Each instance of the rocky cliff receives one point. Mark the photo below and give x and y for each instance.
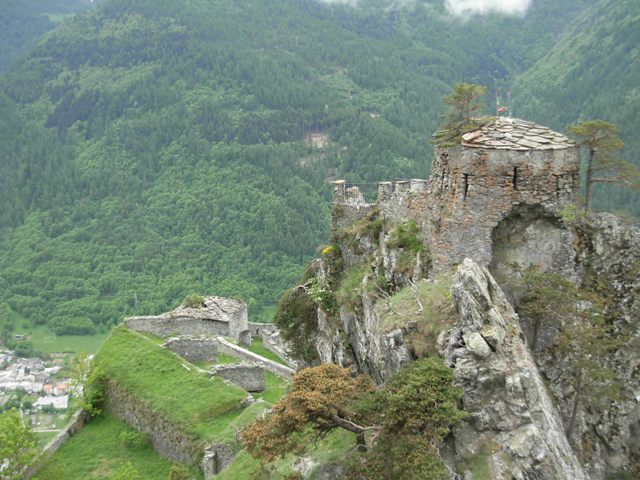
(534, 304)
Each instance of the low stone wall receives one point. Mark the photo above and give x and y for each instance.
(248, 376)
(179, 326)
(216, 457)
(77, 422)
(257, 329)
(243, 354)
(194, 349)
(166, 438)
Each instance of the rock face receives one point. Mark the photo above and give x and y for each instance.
(503, 198)
(608, 261)
(515, 431)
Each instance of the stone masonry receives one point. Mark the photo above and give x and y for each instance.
(217, 316)
(194, 349)
(246, 375)
(508, 169)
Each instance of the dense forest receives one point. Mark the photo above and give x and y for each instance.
(155, 148)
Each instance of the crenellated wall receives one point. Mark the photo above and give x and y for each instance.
(469, 193)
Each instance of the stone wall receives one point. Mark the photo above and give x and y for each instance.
(472, 190)
(194, 349)
(182, 326)
(166, 438)
(229, 348)
(258, 329)
(215, 316)
(246, 375)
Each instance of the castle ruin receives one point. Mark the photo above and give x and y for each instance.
(499, 194)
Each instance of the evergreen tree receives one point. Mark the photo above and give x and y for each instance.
(600, 139)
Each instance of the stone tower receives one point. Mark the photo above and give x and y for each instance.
(495, 197)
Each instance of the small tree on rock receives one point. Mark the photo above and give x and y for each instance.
(600, 139)
(462, 114)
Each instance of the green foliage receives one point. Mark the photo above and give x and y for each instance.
(462, 115)
(146, 156)
(588, 75)
(297, 319)
(126, 472)
(179, 472)
(353, 285)
(418, 406)
(425, 309)
(585, 340)
(193, 300)
(17, 446)
(600, 139)
(406, 236)
(133, 439)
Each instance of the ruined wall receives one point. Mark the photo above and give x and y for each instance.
(169, 327)
(77, 421)
(471, 190)
(193, 349)
(166, 438)
(248, 376)
(229, 348)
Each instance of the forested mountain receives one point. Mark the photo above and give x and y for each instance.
(153, 148)
(23, 22)
(593, 72)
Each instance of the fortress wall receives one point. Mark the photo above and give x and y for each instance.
(229, 348)
(194, 349)
(471, 190)
(248, 376)
(166, 438)
(77, 421)
(179, 326)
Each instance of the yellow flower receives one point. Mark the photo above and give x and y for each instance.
(327, 249)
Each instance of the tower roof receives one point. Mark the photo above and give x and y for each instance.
(515, 134)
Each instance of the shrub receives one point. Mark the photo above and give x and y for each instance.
(297, 319)
(193, 300)
(133, 439)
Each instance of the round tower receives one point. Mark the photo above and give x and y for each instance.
(486, 192)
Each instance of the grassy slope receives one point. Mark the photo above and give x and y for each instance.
(201, 406)
(96, 452)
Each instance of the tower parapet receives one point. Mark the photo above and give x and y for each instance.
(509, 167)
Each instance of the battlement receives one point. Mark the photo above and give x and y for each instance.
(351, 194)
(507, 168)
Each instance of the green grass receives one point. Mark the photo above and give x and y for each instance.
(42, 438)
(158, 377)
(95, 452)
(46, 341)
(274, 388)
(258, 347)
(331, 449)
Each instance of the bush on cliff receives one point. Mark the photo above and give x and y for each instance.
(400, 426)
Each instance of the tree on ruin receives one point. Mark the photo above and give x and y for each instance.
(464, 105)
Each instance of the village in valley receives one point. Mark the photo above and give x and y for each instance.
(39, 389)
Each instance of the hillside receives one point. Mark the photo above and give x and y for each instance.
(159, 148)
(593, 72)
(23, 22)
